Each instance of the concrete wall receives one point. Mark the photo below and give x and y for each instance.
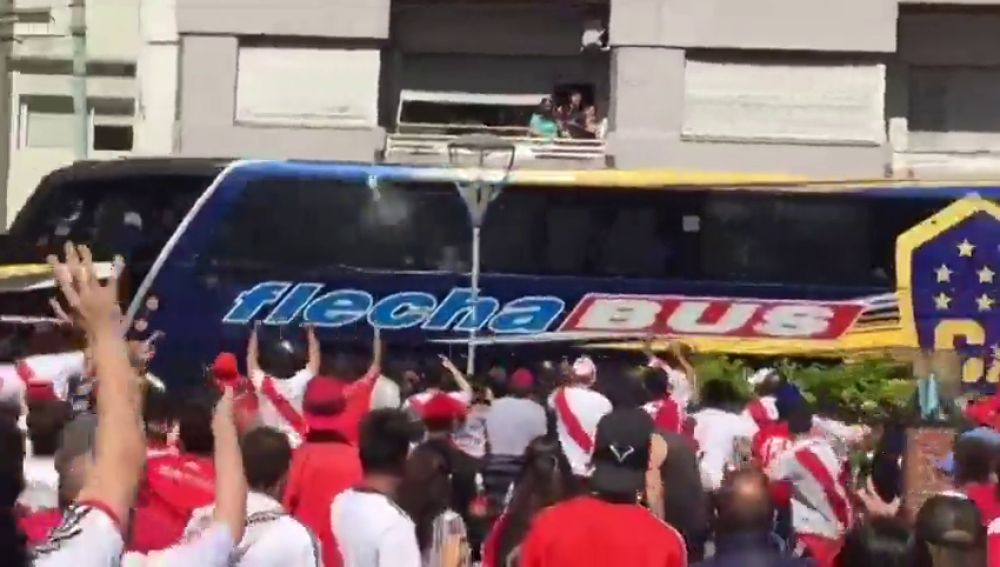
(209, 52)
(207, 111)
(652, 41)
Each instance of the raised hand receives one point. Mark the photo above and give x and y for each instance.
(93, 306)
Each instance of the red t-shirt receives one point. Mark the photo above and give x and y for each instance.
(38, 525)
(589, 531)
(985, 497)
(174, 487)
(318, 473)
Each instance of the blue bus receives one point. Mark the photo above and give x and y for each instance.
(594, 259)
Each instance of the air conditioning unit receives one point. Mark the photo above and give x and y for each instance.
(595, 36)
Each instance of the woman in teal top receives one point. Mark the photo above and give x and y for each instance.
(543, 123)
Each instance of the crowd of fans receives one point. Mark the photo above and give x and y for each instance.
(549, 466)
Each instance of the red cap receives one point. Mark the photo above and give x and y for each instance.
(324, 403)
(443, 408)
(522, 379)
(225, 368)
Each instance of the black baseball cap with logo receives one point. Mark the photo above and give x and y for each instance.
(621, 452)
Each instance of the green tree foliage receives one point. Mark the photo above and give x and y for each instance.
(866, 390)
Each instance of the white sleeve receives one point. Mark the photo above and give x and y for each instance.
(210, 548)
(398, 547)
(464, 397)
(87, 537)
(783, 467)
(680, 387)
(257, 378)
(296, 385)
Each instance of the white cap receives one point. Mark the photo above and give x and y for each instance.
(762, 375)
(584, 367)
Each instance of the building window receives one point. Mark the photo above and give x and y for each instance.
(767, 99)
(307, 86)
(46, 122)
(113, 137)
(951, 108)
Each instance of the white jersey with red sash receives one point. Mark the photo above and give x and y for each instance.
(762, 411)
(44, 376)
(415, 403)
(820, 503)
(577, 410)
(281, 402)
(667, 414)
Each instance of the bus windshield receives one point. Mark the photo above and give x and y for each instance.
(131, 215)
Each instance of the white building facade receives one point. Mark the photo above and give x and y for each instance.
(854, 89)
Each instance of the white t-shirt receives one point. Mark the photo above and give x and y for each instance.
(210, 547)
(371, 531)
(512, 423)
(272, 537)
(293, 389)
(41, 484)
(385, 394)
(716, 432)
(86, 537)
(589, 407)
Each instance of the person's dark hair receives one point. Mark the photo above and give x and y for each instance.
(879, 542)
(800, 420)
(282, 356)
(546, 479)
(545, 107)
(385, 441)
(974, 460)
(12, 541)
(719, 394)
(425, 491)
(194, 421)
(10, 411)
(656, 382)
(743, 504)
(45, 420)
(950, 533)
(157, 415)
(266, 458)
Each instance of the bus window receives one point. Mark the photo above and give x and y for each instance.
(130, 215)
(787, 239)
(308, 223)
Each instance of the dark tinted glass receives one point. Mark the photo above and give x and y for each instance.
(698, 235)
(132, 215)
(306, 223)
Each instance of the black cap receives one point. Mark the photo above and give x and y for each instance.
(621, 452)
(951, 521)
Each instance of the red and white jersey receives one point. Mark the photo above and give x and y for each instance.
(88, 536)
(993, 543)
(577, 410)
(838, 433)
(680, 387)
(280, 402)
(272, 537)
(763, 410)
(40, 370)
(211, 547)
(820, 502)
(769, 445)
(667, 414)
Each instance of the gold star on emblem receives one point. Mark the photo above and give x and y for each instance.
(943, 274)
(965, 248)
(985, 302)
(986, 275)
(941, 301)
